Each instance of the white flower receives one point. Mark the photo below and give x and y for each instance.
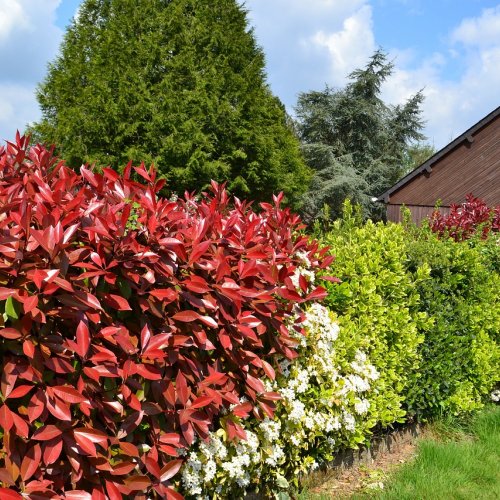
(270, 429)
(362, 406)
(495, 396)
(349, 421)
(298, 411)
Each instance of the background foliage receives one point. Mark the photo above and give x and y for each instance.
(357, 145)
(178, 83)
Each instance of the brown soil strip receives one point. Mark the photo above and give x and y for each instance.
(367, 468)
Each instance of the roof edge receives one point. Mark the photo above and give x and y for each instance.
(427, 165)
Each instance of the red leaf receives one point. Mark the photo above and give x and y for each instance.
(21, 426)
(113, 491)
(29, 349)
(93, 435)
(138, 483)
(59, 409)
(186, 316)
(10, 333)
(319, 293)
(123, 468)
(59, 365)
(20, 391)
(145, 336)
(149, 372)
(36, 405)
(164, 293)
(6, 420)
(85, 444)
(208, 321)
(5, 293)
(77, 495)
(52, 450)
(30, 303)
(153, 467)
(117, 302)
(46, 433)
(216, 378)
(170, 470)
(98, 495)
(31, 462)
(271, 396)
(82, 339)
(182, 389)
(268, 370)
(255, 383)
(201, 402)
(173, 495)
(68, 394)
(7, 494)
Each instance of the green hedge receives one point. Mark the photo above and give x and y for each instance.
(460, 354)
(379, 307)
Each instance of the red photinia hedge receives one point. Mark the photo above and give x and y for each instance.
(128, 323)
(464, 220)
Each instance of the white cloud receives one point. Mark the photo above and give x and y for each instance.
(350, 47)
(11, 16)
(451, 106)
(29, 39)
(482, 31)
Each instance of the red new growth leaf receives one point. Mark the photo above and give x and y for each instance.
(31, 462)
(82, 339)
(19, 392)
(6, 420)
(170, 470)
(68, 394)
(9, 494)
(46, 433)
(10, 333)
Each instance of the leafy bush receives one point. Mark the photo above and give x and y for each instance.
(460, 355)
(130, 324)
(378, 307)
(466, 219)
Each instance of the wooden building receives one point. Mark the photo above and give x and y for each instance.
(469, 164)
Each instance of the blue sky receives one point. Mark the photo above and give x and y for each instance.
(450, 48)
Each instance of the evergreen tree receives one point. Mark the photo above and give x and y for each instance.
(356, 144)
(180, 83)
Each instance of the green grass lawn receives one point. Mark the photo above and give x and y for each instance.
(461, 460)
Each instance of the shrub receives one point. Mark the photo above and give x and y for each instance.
(378, 308)
(130, 324)
(466, 219)
(460, 355)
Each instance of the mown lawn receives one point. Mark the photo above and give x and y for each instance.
(458, 460)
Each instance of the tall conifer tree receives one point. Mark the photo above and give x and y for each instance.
(180, 83)
(357, 145)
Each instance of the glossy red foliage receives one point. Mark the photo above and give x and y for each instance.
(130, 323)
(466, 219)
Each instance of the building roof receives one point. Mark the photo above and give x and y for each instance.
(427, 165)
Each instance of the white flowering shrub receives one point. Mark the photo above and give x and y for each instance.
(326, 396)
(325, 406)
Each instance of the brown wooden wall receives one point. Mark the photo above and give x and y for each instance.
(468, 168)
(418, 213)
